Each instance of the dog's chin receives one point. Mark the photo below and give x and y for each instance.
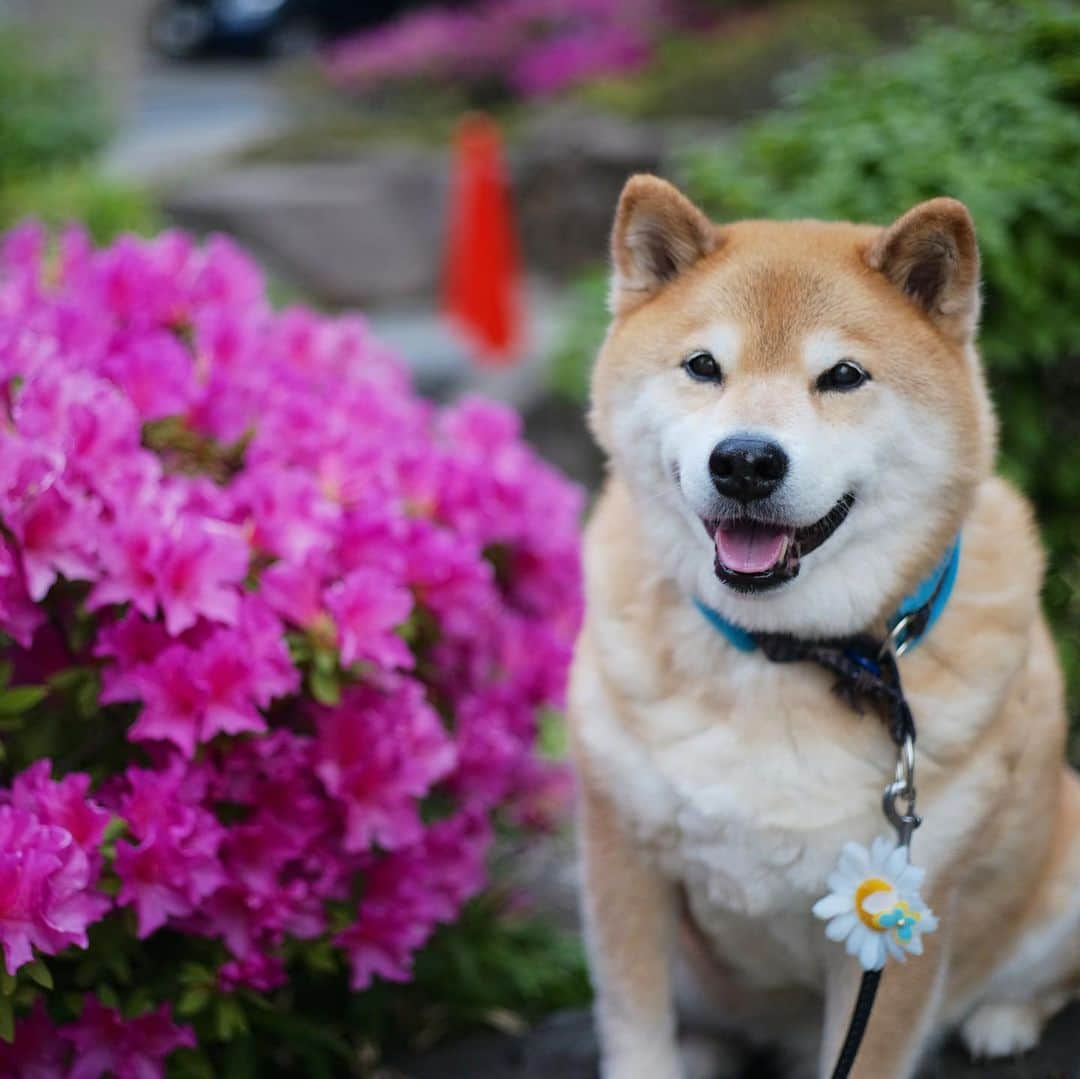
(754, 555)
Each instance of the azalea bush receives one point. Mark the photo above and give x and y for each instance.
(521, 48)
(276, 635)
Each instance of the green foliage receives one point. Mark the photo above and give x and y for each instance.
(53, 124)
(586, 323)
(986, 111)
(106, 207)
(734, 68)
(51, 116)
(489, 969)
(493, 969)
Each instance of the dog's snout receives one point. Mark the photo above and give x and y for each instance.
(747, 468)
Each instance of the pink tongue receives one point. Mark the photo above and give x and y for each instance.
(749, 547)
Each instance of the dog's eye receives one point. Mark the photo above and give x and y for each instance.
(702, 366)
(844, 376)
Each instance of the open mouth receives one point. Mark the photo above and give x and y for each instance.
(754, 555)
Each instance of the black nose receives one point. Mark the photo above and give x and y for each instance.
(747, 468)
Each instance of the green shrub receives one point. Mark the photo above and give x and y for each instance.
(53, 126)
(986, 111)
(586, 322)
(106, 207)
(734, 69)
(50, 114)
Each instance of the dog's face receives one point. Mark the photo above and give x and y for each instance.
(797, 407)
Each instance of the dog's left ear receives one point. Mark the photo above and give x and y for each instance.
(658, 234)
(931, 255)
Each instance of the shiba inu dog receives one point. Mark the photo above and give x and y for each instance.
(798, 428)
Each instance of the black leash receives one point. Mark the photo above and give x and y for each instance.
(860, 1017)
(867, 671)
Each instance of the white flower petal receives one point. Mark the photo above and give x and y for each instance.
(880, 850)
(855, 941)
(894, 949)
(872, 952)
(841, 882)
(888, 860)
(911, 880)
(841, 926)
(896, 863)
(832, 905)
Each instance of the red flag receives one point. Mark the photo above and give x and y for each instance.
(482, 283)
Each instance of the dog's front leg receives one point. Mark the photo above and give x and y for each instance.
(628, 908)
(902, 1021)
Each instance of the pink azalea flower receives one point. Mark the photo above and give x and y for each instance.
(367, 608)
(38, 1050)
(294, 591)
(172, 866)
(264, 637)
(131, 557)
(201, 566)
(224, 670)
(256, 971)
(381, 750)
(46, 889)
(133, 644)
(19, 618)
(174, 703)
(154, 370)
(54, 533)
(62, 802)
(106, 1043)
(411, 892)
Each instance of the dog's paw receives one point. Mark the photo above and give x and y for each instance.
(1002, 1030)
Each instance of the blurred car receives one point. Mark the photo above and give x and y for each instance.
(182, 29)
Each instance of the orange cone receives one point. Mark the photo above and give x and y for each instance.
(482, 285)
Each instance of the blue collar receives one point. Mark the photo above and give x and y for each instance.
(931, 596)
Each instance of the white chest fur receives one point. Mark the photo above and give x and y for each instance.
(744, 786)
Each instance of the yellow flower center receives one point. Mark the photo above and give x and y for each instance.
(872, 898)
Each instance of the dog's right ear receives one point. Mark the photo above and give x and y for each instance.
(658, 234)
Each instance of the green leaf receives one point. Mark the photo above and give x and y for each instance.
(240, 1060)
(230, 1020)
(324, 686)
(190, 1064)
(325, 660)
(7, 982)
(116, 827)
(192, 1001)
(7, 1020)
(19, 699)
(39, 972)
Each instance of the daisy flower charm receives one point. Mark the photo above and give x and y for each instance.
(874, 905)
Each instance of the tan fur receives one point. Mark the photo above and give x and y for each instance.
(719, 787)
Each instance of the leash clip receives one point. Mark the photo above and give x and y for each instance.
(899, 640)
(902, 789)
